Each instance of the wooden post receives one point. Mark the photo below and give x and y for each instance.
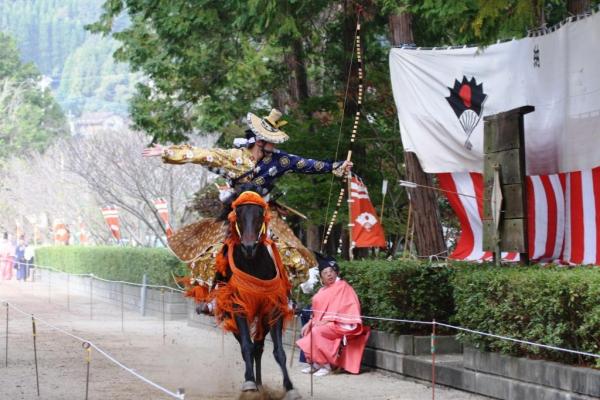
(504, 147)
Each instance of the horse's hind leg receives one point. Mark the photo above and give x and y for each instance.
(279, 353)
(247, 352)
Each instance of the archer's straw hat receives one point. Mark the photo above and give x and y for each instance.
(267, 128)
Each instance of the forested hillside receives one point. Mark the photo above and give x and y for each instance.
(51, 34)
(30, 119)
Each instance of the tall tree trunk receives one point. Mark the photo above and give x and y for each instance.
(313, 240)
(298, 80)
(428, 237)
(300, 70)
(578, 6)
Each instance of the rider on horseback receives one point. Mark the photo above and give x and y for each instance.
(257, 161)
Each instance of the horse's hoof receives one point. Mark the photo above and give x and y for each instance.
(249, 386)
(292, 395)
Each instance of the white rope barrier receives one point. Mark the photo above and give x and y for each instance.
(545, 346)
(108, 280)
(100, 350)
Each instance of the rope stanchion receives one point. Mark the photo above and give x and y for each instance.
(88, 360)
(433, 343)
(122, 309)
(311, 354)
(91, 296)
(295, 332)
(162, 297)
(37, 376)
(6, 341)
(176, 395)
(68, 293)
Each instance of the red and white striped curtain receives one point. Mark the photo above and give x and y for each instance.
(111, 216)
(563, 216)
(163, 211)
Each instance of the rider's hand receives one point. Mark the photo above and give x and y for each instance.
(154, 151)
(347, 166)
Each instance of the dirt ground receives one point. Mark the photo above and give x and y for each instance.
(205, 362)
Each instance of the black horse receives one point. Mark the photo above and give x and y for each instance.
(251, 256)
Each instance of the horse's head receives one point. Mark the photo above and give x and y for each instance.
(249, 220)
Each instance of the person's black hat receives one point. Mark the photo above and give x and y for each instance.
(326, 262)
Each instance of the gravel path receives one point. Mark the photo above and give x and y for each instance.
(205, 362)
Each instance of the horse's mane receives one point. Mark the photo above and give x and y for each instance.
(246, 187)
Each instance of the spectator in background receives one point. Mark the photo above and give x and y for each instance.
(29, 256)
(335, 337)
(20, 264)
(7, 252)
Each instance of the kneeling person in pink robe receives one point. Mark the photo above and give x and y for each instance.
(335, 337)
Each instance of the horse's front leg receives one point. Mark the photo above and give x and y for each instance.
(245, 341)
(279, 354)
(259, 346)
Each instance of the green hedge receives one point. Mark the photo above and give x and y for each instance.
(112, 262)
(401, 289)
(552, 305)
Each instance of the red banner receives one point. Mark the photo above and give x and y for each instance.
(61, 233)
(366, 229)
(163, 212)
(111, 216)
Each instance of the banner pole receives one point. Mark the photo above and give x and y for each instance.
(350, 221)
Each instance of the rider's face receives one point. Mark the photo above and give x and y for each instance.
(269, 147)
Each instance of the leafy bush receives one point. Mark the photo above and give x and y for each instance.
(115, 263)
(401, 289)
(551, 305)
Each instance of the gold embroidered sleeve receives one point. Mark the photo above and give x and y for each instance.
(232, 161)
